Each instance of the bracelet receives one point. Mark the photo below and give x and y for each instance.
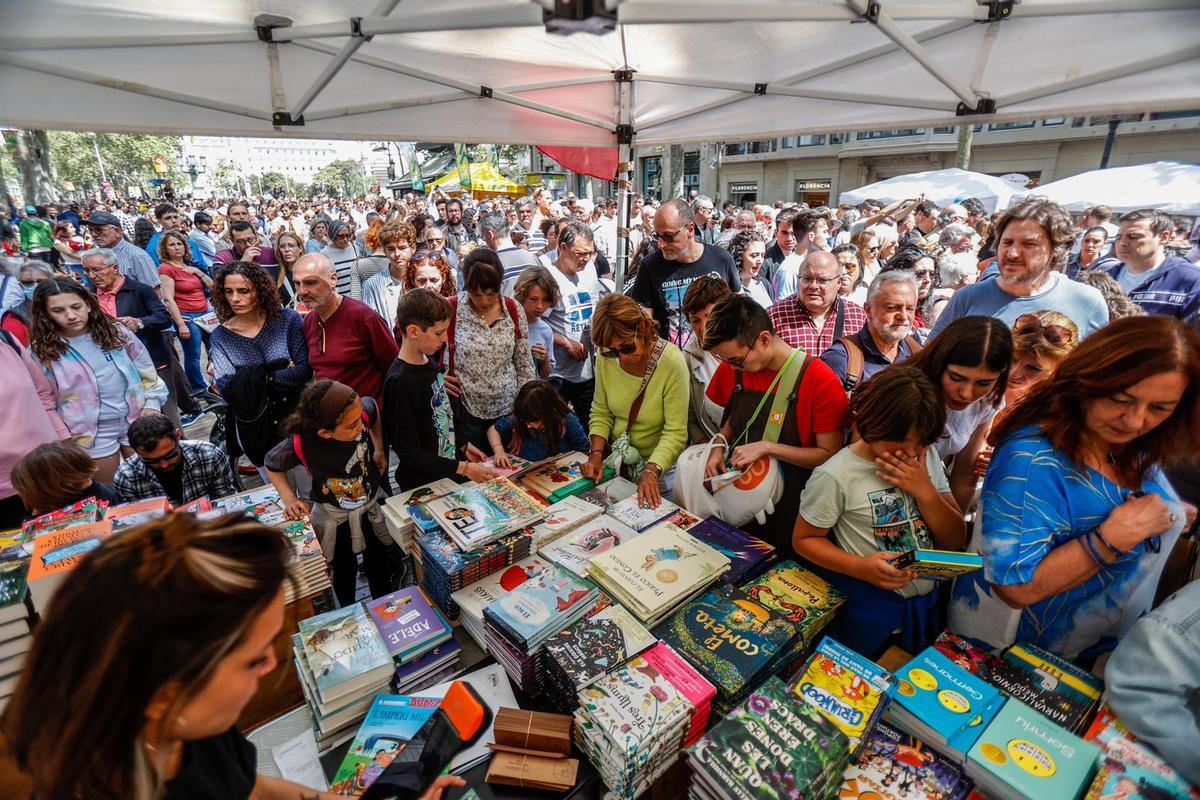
(1090, 547)
(652, 466)
(595, 450)
(1107, 543)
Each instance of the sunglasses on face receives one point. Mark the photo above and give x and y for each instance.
(667, 237)
(1054, 334)
(165, 457)
(626, 349)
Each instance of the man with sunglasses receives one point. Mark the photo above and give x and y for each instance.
(164, 464)
(570, 319)
(664, 276)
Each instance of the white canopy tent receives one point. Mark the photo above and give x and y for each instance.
(942, 186)
(1169, 186)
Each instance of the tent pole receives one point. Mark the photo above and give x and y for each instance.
(1093, 78)
(624, 174)
(796, 91)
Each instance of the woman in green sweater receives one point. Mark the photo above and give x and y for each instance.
(645, 436)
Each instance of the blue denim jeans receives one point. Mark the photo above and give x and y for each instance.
(191, 350)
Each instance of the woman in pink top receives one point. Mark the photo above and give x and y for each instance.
(183, 291)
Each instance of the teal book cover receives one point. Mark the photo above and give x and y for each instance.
(728, 637)
(342, 645)
(1030, 754)
(390, 724)
(529, 610)
(940, 693)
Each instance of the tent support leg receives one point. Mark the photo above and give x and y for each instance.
(624, 174)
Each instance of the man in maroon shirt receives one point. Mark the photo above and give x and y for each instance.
(347, 341)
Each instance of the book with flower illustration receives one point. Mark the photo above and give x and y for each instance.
(560, 477)
(479, 514)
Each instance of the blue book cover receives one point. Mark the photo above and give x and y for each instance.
(941, 694)
(747, 554)
(1026, 754)
(965, 739)
(730, 638)
(541, 606)
(390, 724)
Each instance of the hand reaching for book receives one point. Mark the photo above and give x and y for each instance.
(439, 786)
(297, 509)
(877, 570)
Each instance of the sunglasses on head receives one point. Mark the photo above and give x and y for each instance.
(425, 256)
(1054, 334)
(627, 349)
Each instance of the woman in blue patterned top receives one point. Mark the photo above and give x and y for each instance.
(1077, 516)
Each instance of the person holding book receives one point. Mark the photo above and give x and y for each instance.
(161, 685)
(100, 371)
(540, 426)
(757, 368)
(1078, 517)
(335, 435)
(881, 496)
(55, 475)
(639, 412)
(418, 424)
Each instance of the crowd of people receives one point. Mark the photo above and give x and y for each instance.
(869, 376)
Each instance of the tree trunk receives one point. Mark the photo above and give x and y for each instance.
(37, 173)
(966, 132)
(676, 156)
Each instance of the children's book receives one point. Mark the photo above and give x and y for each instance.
(594, 646)
(344, 651)
(630, 512)
(939, 565)
(479, 514)
(577, 548)
(408, 623)
(936, 700)
(540, 607)
(748, 555)
(57, 552)
(196, 506)
(1047, 683)
(561, 518)
(802, 596)
(389, 726)
(895, 766)
(82, 511)
(559, 477)
(845, 687)
(1130, 771)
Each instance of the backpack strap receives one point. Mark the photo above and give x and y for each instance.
(659, 346)
(9, 339)
(854, 363)
(300, 452)
(785, 394)
(513, 310)
(913, 345)
(839, 320)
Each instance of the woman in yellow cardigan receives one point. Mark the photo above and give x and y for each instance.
(646, 436)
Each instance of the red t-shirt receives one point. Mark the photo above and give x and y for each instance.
(821, 403)
(189, 291)
(354, 347)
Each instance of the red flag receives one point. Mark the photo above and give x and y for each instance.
(598, 162)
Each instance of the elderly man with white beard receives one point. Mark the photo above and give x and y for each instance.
(886, 339)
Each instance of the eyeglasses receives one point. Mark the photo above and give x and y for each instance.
(626, 349)
(95, 270)
(168, 456)
(424, 256)
(812, 280)
(874, 249)
(737, 362)
(922, 273)
(1054, 334)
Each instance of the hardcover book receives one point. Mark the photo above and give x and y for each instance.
(690, 683)
(479, 514)
(560, 477)
(592, 647)
(408, 623)
(965, 653)
(935, 700)
(540, 607)
(58, 552)
(576, 549)
(82, 511)
(443, 655)
(1023, 754)
(939, 565)
(895, 766)
(344, 651)
(802, 596)
(473, 599)
(630, 512)
(1048, 684)
(747, 554)
(846, 688)
(401, 505)
(561, 518)
(390, 724)
(1130, 771)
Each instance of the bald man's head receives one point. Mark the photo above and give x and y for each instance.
(315, 277)
(818, 282)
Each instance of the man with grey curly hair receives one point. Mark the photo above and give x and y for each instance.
(1032, 240)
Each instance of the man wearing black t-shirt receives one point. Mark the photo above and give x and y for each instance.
(664, 276)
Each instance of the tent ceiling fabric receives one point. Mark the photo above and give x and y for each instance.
(197, 66)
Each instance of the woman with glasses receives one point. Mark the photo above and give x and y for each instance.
(101, 373)
(852, 287)
(640, 408)
(1040, 342)
(431, 270)
(343, 252)
(1078, 519)
(919, 262)
(487, 349)
(868, 244)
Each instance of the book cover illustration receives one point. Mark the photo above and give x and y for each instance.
(1043, 685)
(941, 695)
(563, 517)
(847, 689)
(196, 506)
(82, 511)
(15, 554)
(302, 536)
(407, 621)
(965, 653)
(939, 565)
(444, 653)
(525, 612)
(248, 499)
(745, 552)
(594, 646)
(895, 766)
(578, 547)
(630, 708)
(474, 598)
(684, 519)
(390, 724)
(451, 559)
(479, 514)
(56, 552)
(659, 567)
(341, 645)
(402, 504)
(1132, 772)
(799, 594)
(630, 512)
(560, 477)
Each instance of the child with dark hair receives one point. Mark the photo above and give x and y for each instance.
(335, 435)
(881, 496)
(540, 426)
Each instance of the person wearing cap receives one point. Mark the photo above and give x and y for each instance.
(37, 234)
(132, 261)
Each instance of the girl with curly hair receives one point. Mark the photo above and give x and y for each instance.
(748, 249)
(430, 270)
(101, 373)
(259, 357)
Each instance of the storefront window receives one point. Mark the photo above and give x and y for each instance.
(691, 172)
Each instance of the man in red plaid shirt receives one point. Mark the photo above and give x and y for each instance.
(814, 317)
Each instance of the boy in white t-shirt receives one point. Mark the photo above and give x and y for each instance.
(885, 494)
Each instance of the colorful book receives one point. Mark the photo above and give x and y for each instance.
(748, 555)
(966, 653)
(1048, 684)
(15, 553)
(1130, 771)
(561, 518)
(1106, 728)
(57, 552)
(196, 506)
(408, 623)
(802, 596)
(390, 724)
(576, 549)
(593, 647)
(936, 700)
(479, 514)
(691, 684)
(80, 512)
(939, 565)
(424, 666)
(1022, 754)
(540, 607)
(845, 687)
(344, 651)
(630, 512)
(895, 766)
(560, 477)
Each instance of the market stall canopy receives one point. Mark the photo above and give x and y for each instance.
(484, 180)
(1169, 186)
(491, 71)
(942, 186)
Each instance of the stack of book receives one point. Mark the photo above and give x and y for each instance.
(391, 722)
(342, 662)
(472, 600)
(239, 502)
(771, 746)
(516, 625)
(733, 641)
(965, 653)
(408, 623)
(939, 565)
(577, 657)
(847, 688)
(630, 512)
(802, 596)
(1132, 771)
(748, 555)
(942, 704)
(127, 515)
(576, 549)
(561, 518)
(657, 572)
(1021, 755)
(309, 570)
(438, 665)
(15, 610)
(633, 722)
(478, 514)
(895, 766)
(609, 492)
(396, 512)
(446, 568)
(57, 551)
(559, 478)
(1048, 684)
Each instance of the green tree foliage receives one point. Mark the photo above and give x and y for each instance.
(225, 179)
(340, 177)
(128, 158)
(274, 183)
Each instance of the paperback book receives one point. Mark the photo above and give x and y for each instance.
(576, 549)
(389, 726)
(540, 607)
(1049, 684)
(478, 514)
(80, 512)
(58, 552)
(942, 704)
(446, 568)
(344, 651)
(895, 766)
(630, 512)
(562, 518)
(939, 565)
(579, 655)
(748, 555)
(127, 515)
(408, 623)
(851, 691)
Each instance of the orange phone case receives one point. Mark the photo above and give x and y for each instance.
(464, 710)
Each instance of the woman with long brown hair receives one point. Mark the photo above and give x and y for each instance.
(288, 249)
(145, 706)
(1078, 519)
(183, 286)
(101, 373)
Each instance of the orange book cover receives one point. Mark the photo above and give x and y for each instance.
(59, 552)
(127, 515)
